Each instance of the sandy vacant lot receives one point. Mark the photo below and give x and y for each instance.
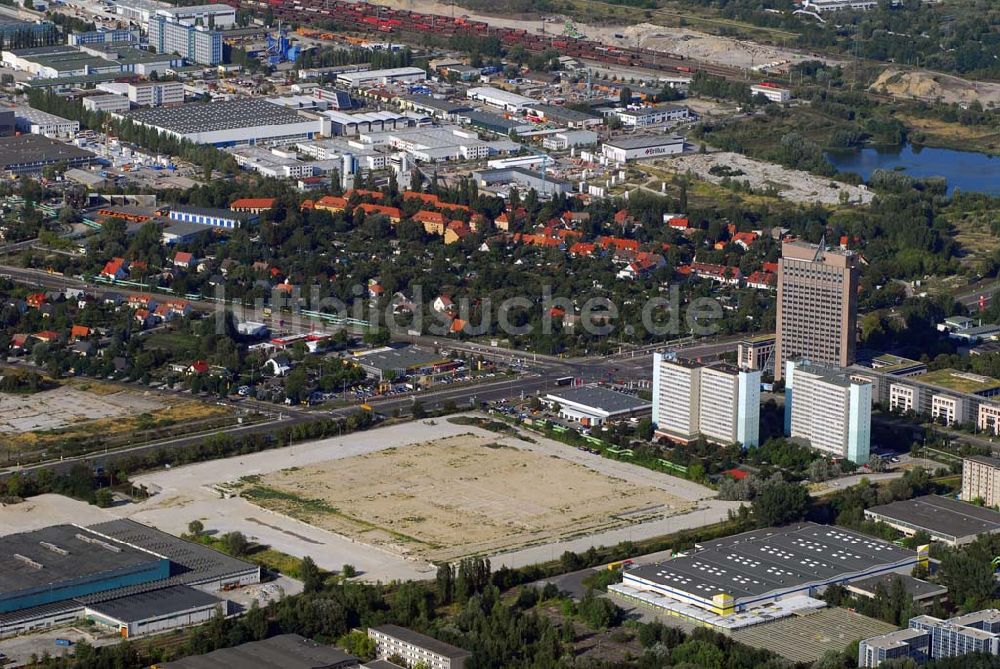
(793, 185)
(59, 407)
(458, 496)
(933, 86)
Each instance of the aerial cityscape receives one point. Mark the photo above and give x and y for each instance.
(530, 334)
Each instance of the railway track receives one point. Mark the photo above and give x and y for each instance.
(385, 22)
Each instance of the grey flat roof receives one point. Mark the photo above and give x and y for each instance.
(214, 116)
(984, 460)
(942, 516)
(423, 641)
(381, 664)
(643, 141)
(894, 639)
(489, 118)
(58, 554)
(917, 588)
(154, 603)
(446, 106)
(755, 563)
(601, 398)
(191, 563)
(185, 228)
(565, 113)
(285, 651)
(406, 357)
(33, 149)
(45, 610)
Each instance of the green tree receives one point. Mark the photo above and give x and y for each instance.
(235, 543)
(779, 503)
(103, 498)
(310, 575)
(359, 644)
(195, 527)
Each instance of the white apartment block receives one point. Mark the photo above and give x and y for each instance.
(675, 410)
(416, 648)
(828, 409)
(156, 93)
(719, 402)
(981, 479)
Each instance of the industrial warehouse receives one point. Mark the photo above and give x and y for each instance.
(119, 574)
(751, 578)
(942, 518)
(596, 405)
(230, 123)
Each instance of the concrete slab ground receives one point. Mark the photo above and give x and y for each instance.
(188, 493)
(59, 407)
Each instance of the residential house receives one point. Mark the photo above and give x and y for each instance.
(641, 266)
(198, 367)
(19, 342)
(47, 336)
(433, 221)
(183, 259)
(442, 303)
(79, 332)
(744, 239)
(392, 213)
(83, 349)
(762, 280)
(35, 300)
(456, 232)
(330, 203)
(719, 273)
(582, 249)
(115, 269)
(144, 318)
(278, 365)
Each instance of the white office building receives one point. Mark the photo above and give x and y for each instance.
(395, 75)
(568, 139)
(106, 103)
(499, 98)
(718, 402)
(156, 93)
(828, 409)
(651, 116)
(771, 92)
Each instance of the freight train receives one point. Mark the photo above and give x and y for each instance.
(364, 17)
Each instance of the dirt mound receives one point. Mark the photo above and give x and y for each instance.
(932, 86)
